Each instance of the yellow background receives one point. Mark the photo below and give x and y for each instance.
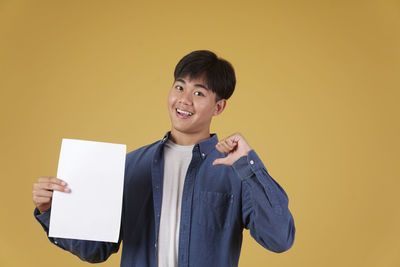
(317, 97)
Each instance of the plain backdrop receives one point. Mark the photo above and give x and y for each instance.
(317, 97)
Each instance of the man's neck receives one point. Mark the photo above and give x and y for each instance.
(185, 139)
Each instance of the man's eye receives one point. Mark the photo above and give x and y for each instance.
(180, 88)
(198, 93)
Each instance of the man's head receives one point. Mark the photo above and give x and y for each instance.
(218, 73)
(202, 84)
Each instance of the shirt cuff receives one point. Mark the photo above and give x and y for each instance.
(247, 165)
(42, 218)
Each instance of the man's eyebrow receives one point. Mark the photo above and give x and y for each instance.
(196, 85)
(202, 86)
(180, 80)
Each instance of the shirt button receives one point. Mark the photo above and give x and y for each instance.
(55, 242)
(203, 155)
(251, 162)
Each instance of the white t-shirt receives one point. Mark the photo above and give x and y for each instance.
(176, 162)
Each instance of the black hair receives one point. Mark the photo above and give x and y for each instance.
(219, 73)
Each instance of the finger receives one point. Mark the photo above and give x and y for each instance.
(226, 146)
(221, 148)
(218, 147)
(217, 162)
(42, 193)
(53, 180)
(53, 187)
(231, 143)
(45, 179)
(51, 183)
(41, 200)
(227, 143)
(221, 161)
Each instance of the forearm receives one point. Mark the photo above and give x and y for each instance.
(264, 205)
(91, 251)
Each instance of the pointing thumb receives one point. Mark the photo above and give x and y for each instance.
(220, 161)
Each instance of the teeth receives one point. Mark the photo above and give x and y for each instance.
(184, 112)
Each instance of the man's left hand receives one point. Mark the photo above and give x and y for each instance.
(235, 146)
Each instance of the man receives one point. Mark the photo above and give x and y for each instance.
(188, 196)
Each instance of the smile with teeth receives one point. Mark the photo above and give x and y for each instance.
(183, 112)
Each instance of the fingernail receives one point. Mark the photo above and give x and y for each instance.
(63, 183)
(67, 190)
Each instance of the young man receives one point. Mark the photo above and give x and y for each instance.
(188, 196)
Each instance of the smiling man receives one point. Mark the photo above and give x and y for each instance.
(191, 107)
(188, 197)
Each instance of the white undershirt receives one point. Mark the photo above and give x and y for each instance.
(176, 163)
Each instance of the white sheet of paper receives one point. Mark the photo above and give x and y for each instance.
(94, 171)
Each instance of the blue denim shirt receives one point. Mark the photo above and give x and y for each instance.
(217, 203)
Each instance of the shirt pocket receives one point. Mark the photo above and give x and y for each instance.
(215, 209)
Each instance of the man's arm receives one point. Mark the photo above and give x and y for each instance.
(264, 203)
(91, 251)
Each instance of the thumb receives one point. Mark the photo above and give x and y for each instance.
(221, 161)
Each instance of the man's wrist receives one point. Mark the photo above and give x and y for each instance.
(242, 168)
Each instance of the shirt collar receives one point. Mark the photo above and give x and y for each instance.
(205, 146)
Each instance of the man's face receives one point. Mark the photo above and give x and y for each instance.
(191, 106)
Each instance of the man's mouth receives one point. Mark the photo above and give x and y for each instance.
(183, 113)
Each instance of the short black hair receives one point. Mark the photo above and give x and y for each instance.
(219, 73)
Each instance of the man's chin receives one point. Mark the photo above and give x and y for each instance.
(183, 130)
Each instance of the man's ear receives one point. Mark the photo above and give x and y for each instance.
(219, 107)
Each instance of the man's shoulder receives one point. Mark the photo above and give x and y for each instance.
(144, 151)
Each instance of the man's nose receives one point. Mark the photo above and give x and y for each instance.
(186, 98)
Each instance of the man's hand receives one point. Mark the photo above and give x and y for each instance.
(235, 146)
(42, 192)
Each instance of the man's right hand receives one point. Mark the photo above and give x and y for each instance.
(42, 192)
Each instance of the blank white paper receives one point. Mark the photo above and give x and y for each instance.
(94, 171)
